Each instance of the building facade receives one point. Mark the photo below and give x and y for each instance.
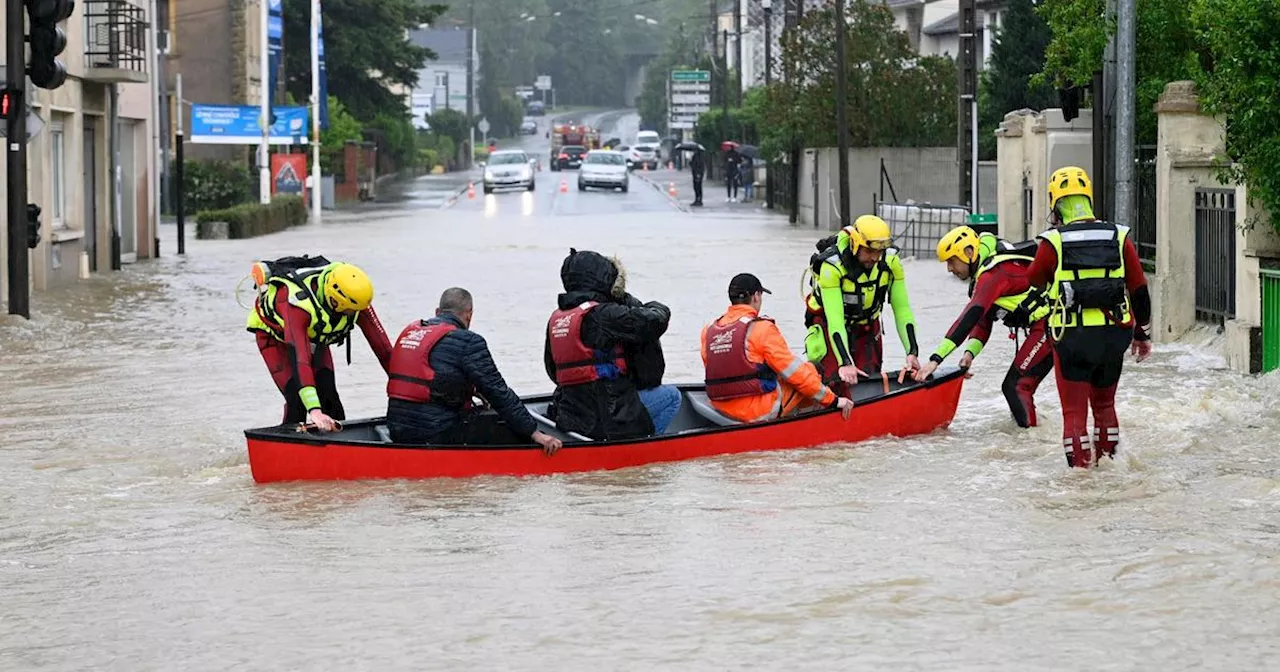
(91, 167)
(442, 83)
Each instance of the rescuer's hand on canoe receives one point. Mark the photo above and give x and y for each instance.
(550, 444)
(322, 422)
(849, 374)
(845, 405)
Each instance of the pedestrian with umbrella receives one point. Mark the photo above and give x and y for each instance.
(732, 163)
(697, 168)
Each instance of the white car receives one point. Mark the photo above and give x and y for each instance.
(508, 168)
(604, 169)
(647, 149)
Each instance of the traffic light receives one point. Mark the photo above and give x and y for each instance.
(6, 103)
(33, 225)
(47, 41)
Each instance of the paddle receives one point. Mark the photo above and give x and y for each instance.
(547, 421)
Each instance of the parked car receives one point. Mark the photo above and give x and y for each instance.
(649, 140)
(604, 169)
(639, 156)
(529, 127)
(509, 168)
(570, 157)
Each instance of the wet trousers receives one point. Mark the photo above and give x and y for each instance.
(697, 189)
(282, 363)
(866, 347)
(1032, 362)
(1088, 363)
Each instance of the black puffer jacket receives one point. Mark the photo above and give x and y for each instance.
(460, 359)
(607, 409)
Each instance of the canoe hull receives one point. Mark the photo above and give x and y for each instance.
(279, 456)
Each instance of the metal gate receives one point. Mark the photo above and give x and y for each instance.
(1270, 319)
(1215, 255)
(1144, 225)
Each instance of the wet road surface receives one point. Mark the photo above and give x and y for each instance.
(133, 538)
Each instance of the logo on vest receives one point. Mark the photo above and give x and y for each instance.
(560, 328)
(721, 343)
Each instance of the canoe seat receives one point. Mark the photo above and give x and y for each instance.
(702, 406)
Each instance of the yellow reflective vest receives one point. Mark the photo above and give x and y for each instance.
(327, 326)
(1088, 287)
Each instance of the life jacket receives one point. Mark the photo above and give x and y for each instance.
(730, 374)
(1088, 286)
(864, 295)
(411, 377)
(575, 362)
(301, 278)
(1031, 302)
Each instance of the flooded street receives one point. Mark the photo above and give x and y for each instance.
(132, 536)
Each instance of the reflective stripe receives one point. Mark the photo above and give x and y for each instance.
(1082, 236)
(821, 394)
(791, 368)
(309, 397)
(775, 411)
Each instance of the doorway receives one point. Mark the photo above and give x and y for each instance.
(91, 194)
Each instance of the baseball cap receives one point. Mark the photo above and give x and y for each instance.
(745, 283)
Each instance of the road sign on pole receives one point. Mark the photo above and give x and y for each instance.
(690, 97)
(484, 125)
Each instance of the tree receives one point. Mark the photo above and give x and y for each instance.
(1017, 54)
(367, 51)
(342, 128)
(894, 96)
(683, 51)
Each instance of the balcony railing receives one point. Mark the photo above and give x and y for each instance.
(115, 41)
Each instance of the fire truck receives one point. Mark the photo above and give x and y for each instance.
(563, 135)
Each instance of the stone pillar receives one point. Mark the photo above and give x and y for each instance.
(1010, 167)
(1188, 143)
(1256, 243)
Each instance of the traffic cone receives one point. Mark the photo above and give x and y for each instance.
(646, 167)
(671, 165)
(564, 186)
(471, 191)
(671, 189)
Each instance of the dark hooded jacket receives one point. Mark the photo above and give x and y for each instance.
(608, 409)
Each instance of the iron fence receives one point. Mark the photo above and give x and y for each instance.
(917, 227)
(1215, 254)
(1144, 224)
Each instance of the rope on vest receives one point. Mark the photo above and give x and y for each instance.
(239, 289)
(805, 281)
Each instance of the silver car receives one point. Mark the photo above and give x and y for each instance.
(604, 169)
(509, 168)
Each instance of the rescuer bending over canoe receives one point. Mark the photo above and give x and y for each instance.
(304, 305)
(437, 366)
(751, 374)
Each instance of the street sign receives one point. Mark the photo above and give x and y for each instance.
(543, 82)
(691, 76)
(483, 125)
(691, 99)
(680, 124)
(690, 88)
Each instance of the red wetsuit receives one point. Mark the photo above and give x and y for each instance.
(294, 365)
(1089, 360)
(1033, 360)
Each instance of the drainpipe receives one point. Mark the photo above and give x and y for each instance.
(159, 139)
(113, 150)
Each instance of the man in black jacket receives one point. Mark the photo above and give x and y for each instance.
(698, 168)
(437, 365)
(602, 352)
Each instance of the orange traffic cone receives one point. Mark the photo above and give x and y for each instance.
(671, 189)
(471, 190)
(564, 186)
(646, 167)
(671, 165)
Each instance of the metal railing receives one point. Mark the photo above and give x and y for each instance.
(1215, 254)
(115, 35)
(1144, 224)
(917, 227)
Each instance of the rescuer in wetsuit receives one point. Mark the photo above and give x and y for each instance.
(1000, 290)
(1099, 307)
(853, 277)
(304, 305)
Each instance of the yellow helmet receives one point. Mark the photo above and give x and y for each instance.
(868, 231)
(347, 288)
(954, 243)
(1069, 181)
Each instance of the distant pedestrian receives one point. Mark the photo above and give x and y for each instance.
(732, 159)
(748, 176)
(698, 168)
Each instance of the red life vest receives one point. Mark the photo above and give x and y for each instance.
(730, 374)
(411, 377)
(577, 364)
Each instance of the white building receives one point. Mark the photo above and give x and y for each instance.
(442, 83)
(92, 167)
(933, 26)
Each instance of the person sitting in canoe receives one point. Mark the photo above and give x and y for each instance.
(745, 356)
(1001, 290)
(304, 305)
(602, 352)
(437, 365)
(854, 273)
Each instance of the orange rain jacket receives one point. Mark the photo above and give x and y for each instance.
(798, 380)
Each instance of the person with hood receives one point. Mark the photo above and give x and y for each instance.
(698, 169)
(602, 353)
(732, 178)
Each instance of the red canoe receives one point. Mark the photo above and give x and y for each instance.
(363, 450)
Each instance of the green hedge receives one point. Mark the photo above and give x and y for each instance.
(250, 220)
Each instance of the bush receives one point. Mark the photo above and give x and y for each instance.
(481, 154)
(215, 185)
(249, 220)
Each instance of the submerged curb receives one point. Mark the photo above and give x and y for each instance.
(658, 188)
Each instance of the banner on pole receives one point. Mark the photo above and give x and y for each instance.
(289, 174)
(239, 125)
(275, 42)
(324, 76)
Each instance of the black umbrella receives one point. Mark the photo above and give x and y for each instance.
(749, 150)
(690, 147)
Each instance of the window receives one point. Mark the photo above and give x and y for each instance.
(442, 79)
(58, 176)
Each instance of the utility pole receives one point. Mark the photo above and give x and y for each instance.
(767, 5)
(737, 27)
(967, 106)
(16, 78)
(842, 118)
(264, 73)
(792, 18)
(471, 87)
(1126, 107)
(715, 26)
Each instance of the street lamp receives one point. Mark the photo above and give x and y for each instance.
(767, 6)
